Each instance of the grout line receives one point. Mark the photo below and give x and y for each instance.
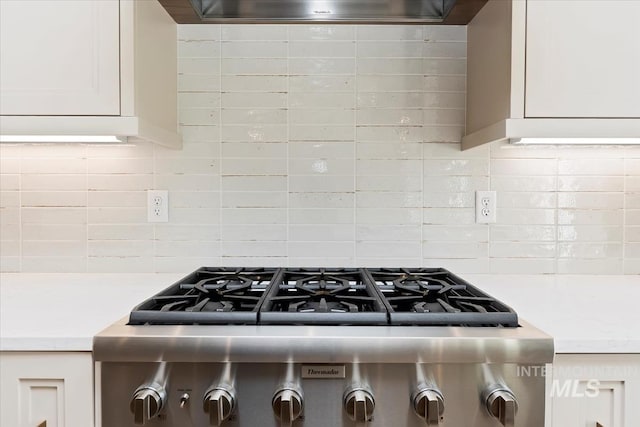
(624, 213)
(220, 160)
(422, 146)
(20, 234)
(288, 156)
(356, 260)
(86, 208)
(556, 213)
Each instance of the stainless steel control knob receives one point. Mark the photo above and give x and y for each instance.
(219, 402)
(501, 404)
(359, 404)
(287, 405)
(147, 402)
(428, 403)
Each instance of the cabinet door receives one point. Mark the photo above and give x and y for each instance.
(592, 390)
(59, 57)
(583, 58)
(46, 389)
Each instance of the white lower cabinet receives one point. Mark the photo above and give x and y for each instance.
(591, 390)
(41, 389)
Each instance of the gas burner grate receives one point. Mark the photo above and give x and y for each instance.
(323, 296)
(428, 296)
(208, 296)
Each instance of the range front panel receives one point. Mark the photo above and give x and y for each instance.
(314, 395)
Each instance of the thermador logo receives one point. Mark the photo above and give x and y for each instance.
(322, 371)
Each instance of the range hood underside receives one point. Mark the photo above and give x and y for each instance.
(449, 12)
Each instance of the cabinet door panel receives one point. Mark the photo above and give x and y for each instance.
(40, 401)
(51, 388)
(59, 57)
(583, 58)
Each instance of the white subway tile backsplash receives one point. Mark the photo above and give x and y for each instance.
(254, 100)
(181, 232)
(390, 83)
(321, 216)
(198, 49)
(326, 145)
(383, 233)
(180, 182)
(391, 32)
(246, 232)
(522, 250)
(46, 182)
(35, 199)
(389, 183)
(254, 199)
(240, 83)
(199, 116)
(321, 32)
(57, 248)
(118, 231)
(252, 66)
(254, 249)
(322, 49)
(254, 133)
(254, 32)
(317, 232)
(389, 134)
(390, 65)
(590, 233)
(321, 133)
(254, 49)
(254, 216)
(522, 266)
(387, 150)
(319, 117)
(53, 215)
(321, 65)
(390, 49)
(520, 233)
(321, 200)
(321, 183)
(339, 100)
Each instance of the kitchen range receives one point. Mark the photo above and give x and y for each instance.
(321, 347)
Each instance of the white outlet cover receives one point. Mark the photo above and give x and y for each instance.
(486, 207)
(157, 206)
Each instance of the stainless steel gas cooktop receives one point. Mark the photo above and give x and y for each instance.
(321, 347)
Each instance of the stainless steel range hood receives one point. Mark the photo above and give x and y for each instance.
(324, 11)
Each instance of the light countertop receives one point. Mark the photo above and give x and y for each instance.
(58, 312)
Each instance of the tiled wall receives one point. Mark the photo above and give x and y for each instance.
(319, 145)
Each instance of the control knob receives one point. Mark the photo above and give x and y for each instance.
(359, 404)
(287, 404)
(428, 403)
(147, 402)
(501, 404)
(219, 402)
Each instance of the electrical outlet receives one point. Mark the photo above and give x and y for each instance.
(485, 207)
(157, 206)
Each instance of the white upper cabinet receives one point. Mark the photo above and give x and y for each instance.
(88, 67)
(583, 60)
(59, 57)
(553, 69)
